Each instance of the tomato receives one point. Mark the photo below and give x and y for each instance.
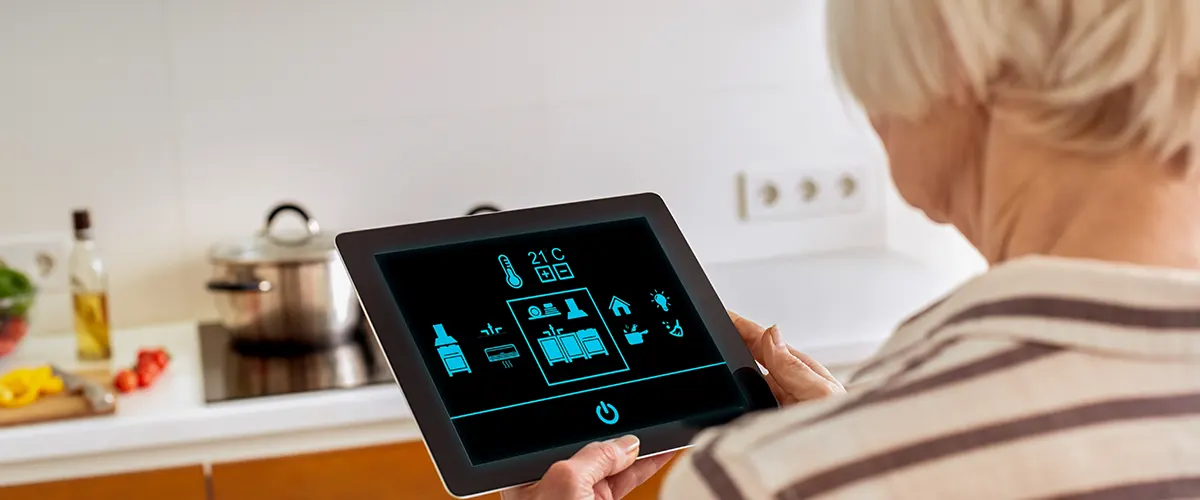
(147, 375)
(125, 381)
(156, 356)
(162, 358)
(146, 357)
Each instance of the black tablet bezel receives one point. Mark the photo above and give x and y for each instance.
(358, 250)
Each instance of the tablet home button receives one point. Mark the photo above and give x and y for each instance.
(607, 413)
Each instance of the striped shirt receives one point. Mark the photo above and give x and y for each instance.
(1043, 378)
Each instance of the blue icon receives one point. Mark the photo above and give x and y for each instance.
(546, 311)
(618, 307)
(563, 271)
(510, 274)
(573, 311)
(491, 330)
(633, 336)
(545, 273)
(450, 352)
(559, 347)
(607, 413)
(502, 353)
(661, 300)
(675, 331)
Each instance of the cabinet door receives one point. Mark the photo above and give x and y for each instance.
(571, 346)
(552, 349)
(594, 346)
(398, 471)
(184, 483)
(395, 471)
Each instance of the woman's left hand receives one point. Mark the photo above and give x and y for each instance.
(600, 471)
(794, 377)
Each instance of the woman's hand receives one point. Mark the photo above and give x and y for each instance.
(792, 375)
(600, 471)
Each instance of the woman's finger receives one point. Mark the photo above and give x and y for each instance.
(751, 332)
(793, 375)
(781, 394)
(642, 470)
(592, 464)
(814, 365)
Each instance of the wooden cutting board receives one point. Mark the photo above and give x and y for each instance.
(59, 406)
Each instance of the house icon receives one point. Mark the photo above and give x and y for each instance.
(618, 307)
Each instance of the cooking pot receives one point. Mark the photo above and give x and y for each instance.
(284, 287)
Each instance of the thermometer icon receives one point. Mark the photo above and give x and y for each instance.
(510, 274)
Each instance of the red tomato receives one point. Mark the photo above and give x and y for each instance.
(147, 375)
(126, 381)
(162, 358)
(146, 357)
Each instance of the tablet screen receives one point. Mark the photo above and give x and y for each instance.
(550, 338)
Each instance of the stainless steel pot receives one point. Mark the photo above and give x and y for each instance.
(284, 287)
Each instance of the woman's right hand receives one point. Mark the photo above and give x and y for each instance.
(794, 377)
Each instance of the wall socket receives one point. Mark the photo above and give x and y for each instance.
(802, 193)
(43, 257)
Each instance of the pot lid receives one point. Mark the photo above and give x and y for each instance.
(272, 245)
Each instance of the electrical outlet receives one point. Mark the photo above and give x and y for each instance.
(43, 257)
(801, 193)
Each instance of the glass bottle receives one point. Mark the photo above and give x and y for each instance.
(89, 293)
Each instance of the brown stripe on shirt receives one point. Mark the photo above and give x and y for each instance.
(718, 480)
(996, 363)
(1080, 310)
(1175, 487)
(1047, 307)
(989, 435)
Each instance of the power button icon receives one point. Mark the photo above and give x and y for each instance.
(607, 413)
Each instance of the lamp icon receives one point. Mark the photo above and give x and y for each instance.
(661, 300)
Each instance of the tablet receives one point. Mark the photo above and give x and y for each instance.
(518, 337)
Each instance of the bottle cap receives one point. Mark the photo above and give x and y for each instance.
(82, 219)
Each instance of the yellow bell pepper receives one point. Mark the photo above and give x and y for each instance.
(23, 386)
(53, 385)
(20, 400)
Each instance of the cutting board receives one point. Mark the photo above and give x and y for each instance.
(59, 406)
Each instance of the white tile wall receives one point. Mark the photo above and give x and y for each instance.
(179, 122)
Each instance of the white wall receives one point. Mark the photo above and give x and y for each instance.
(179, 122)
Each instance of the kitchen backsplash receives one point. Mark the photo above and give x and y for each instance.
(179, 122)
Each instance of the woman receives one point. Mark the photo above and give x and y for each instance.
(1059, 136)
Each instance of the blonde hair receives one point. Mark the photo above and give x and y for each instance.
(1085, 75)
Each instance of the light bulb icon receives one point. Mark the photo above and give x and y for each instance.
(661, 300)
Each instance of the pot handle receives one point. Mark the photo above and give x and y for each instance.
(244, 286)
(483, 208)
(310, 224)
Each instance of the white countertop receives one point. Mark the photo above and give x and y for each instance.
(170, 424)
(172, 413)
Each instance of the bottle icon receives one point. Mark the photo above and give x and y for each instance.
(510, 274)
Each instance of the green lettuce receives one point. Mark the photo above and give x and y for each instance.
(16, 292)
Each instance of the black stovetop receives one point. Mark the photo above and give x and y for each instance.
(234, 370)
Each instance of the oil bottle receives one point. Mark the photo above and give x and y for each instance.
(89, 292)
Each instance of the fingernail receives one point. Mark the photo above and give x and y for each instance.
(777, 337)
(627, 444)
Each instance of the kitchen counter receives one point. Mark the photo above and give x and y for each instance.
(817, 301)
(170, 423)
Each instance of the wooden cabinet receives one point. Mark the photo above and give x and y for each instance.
(184, 483)
(399, 471)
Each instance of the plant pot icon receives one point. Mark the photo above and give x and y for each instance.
(633, 336)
